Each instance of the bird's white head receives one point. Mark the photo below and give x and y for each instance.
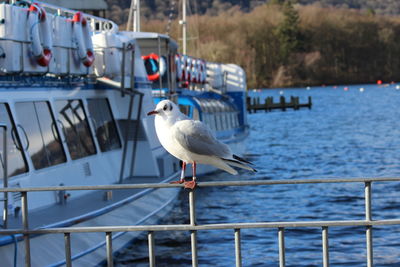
(166, 109)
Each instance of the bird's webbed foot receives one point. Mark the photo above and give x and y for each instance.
(191, 184)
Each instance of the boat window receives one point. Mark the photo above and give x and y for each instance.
(16, 162)
(185, 109)
(44, 145)
(106, 130)
(221, 109)
(231, 119)
(226, 115)
(236, 120)
(76, 128)
(196, 114)
(217, 112)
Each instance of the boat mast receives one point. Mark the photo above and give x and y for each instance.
(184, 27)
(135, 12)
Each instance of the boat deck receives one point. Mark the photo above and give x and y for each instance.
(92, 204)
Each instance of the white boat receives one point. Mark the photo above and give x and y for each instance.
(74, 92)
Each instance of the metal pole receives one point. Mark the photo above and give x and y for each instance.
(129, 22)
(136, 16)
(152, 255)
(238, 250)
(325, 247)
(133, 69)
(123, 68)
(168, 71)
(184, 27)
(281, 238)
(160, 83)
(127, 131)
(110, 262)
(24, 202)
(193, 234)
(132, 82)
(67, 241)
(5, 178)
(135, 140)
(368, 217)
(368, 214)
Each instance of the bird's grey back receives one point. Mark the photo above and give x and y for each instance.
(197, 138)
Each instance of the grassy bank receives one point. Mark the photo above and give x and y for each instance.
(283, 45)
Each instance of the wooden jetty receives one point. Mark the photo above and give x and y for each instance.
(253, 104)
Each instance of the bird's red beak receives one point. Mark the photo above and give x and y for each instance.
(153, 112)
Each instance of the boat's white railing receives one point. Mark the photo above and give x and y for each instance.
(97, 23)
(64, 42)
(193, 227)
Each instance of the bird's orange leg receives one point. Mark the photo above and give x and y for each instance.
(182, 180)
(192, 184)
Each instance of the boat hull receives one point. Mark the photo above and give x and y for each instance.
(89, 248)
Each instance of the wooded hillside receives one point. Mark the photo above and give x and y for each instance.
(292, 45)
(159, 9)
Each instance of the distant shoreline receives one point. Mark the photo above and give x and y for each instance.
(298, 45)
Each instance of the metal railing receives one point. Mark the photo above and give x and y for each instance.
(193, 227)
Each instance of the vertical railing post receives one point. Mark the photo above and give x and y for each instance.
(238, 250)
(24, 202)
(368, 217)
(152, 256)
(126, 137)
(67, 241)
(123, 69)
(281, 238)
(5, 177)
(193, 233)
(110, 262)
(325, 247)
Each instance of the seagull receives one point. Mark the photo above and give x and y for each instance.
(192, 142)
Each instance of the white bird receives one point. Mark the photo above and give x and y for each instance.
(192, 141)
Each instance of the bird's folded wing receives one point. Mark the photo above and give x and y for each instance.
(197, 138)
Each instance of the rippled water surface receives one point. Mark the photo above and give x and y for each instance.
(345, 134)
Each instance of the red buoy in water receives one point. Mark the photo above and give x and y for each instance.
(379, 82)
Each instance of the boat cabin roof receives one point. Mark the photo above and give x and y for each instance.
(79, 4)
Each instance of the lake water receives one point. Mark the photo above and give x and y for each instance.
(347, 133)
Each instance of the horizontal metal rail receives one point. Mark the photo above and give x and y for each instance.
(187, 227)
(201, 184)
(194, 228)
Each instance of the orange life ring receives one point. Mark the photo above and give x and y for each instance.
(83, 39)
(155, 66)
(41, 49)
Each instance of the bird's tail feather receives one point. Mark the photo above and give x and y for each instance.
(238, 164)
(222, 164)
(241, 159)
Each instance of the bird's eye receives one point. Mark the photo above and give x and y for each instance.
(165, 107)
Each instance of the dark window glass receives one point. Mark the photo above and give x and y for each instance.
(106, 130)
(76, 129)
(39, 125)
(16, 162)
(185, 109)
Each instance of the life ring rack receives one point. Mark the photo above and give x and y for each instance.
(83, 39)
(41, 49)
